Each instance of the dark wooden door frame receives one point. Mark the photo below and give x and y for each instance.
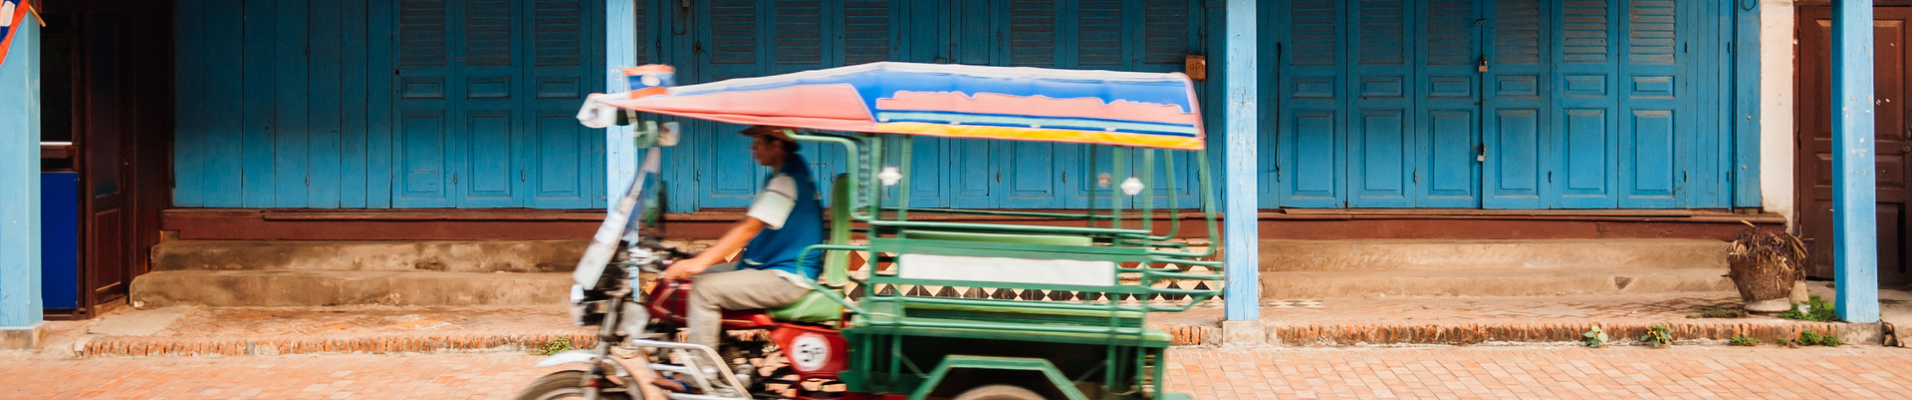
(1809, 110)
(141, 137)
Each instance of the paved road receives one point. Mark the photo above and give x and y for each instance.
(1431, 373)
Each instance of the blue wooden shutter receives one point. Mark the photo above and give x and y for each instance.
(1652, 117)
(558, 163)
(1379, 146)
(420, 163)
(736, 32)
(1309, 165)
(1027, 174)
(1514, 146)
(486, 116)
(1587, 126)
(1447, 105)
(1516, 111)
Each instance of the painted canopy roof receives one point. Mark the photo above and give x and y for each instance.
(12, 14)
(1096, 107)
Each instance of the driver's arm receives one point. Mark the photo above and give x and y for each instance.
(730, 243)
(770, 210)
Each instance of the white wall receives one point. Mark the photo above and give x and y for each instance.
(1776, 40)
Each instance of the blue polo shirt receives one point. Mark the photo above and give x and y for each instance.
(777, 246)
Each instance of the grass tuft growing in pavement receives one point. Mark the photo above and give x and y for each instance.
(554, 346)
(1743, 340)
(1817, 309)
(1811, 338)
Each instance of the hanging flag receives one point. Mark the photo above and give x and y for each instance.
(12, 14)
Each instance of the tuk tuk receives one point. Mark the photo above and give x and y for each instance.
(932, 308)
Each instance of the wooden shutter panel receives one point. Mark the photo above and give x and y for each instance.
(1653, 118)
(1310, 126)
(421, 141)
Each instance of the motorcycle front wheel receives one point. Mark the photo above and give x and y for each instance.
(563, 385)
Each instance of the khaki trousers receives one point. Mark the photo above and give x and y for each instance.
(724, 287)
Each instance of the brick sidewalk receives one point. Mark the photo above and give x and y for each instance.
(1331, 322)
(1407, 373)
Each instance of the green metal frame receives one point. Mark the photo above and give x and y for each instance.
(882, 322)
(1047, 369)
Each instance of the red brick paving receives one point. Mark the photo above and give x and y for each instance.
(1406, 373)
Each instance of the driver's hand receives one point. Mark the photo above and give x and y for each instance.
(683, 270)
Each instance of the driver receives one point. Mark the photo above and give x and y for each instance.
(785, 218)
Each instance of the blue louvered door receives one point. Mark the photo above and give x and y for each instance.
(421, 143)
(1379, 104)
(1654, 118)
(1312, 114)
(550, 171)
(1496, 103)
(486, 59)
(484, 93)
(1446, 125)
(1382, 80)
(1514, 151)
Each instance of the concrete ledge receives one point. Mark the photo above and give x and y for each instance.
(330, 288)
(1315, 285)
(442, 256)
(1446, 255)
(22, 337)
(1244, 334)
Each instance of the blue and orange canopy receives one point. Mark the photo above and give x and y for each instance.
(1097, 107)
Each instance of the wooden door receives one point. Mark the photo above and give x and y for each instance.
(1814, 169)
(105, 159)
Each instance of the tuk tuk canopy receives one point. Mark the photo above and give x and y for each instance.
(1156, 110)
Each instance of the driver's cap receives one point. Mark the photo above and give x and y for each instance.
(773, 131)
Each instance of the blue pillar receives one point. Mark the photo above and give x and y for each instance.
(620, 50)
(1242, 292)
(1856, 252)
(20, 303)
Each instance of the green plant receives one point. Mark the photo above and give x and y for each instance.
(1743, 340)
(1657, 336)
(1811, 338)
(1595, 338)
(554, 346)
(1817, 309)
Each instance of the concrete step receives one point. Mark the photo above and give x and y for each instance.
(442, 256)
(1468, 255)
(331, 288)
(1547, 282)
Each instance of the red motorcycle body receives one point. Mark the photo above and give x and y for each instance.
(813, 351)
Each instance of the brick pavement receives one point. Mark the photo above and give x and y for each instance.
(1332, 322)
(1689, 372)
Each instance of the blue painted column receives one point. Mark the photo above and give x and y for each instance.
(1242, 293)
(620, 50)
(1856, 251)
(20, 303)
